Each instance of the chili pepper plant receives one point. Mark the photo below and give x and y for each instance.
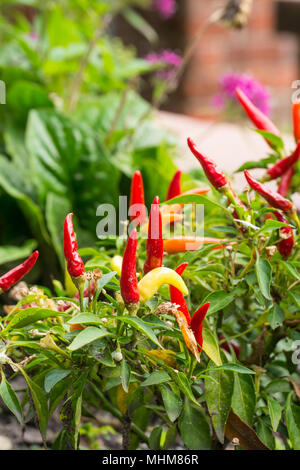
(186, 341)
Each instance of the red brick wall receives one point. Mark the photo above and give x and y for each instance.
(258, 49)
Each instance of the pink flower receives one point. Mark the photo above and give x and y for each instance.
(255, 91)
(168, 60)
(166, 8)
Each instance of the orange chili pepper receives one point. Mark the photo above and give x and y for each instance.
(182, 244)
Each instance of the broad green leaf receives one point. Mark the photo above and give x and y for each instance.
(264, 276)
(53, 377)
(141, 326)
(157, 377)
(265, 433)
(275, 140)
(244, 398)
(290, 269)
(57, 207)
(155, 437)
(195, 198)
(125, 375)
(10, 399)
(275, 316)
(87, 336)
(234, 368)
(29, 316)
(9, 253)
(86, 318)
(194, 428)
(211, 347)
(218, 399)
(219, 300)
(172, 403)
(292, 416)
(275, 412)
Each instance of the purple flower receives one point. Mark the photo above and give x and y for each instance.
(255, 91)
(166, 8)
(168, 60)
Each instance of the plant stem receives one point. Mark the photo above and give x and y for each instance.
(248, 266)
(118, 414)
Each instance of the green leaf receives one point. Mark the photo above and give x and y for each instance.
(157, 377)
(265, 433)
(155, 436)
(275, 412)
(87, 336)
(290, 269)
(29, 316)
(211, 347)
(125, 375)
(264, 276)
(53, 377)
(184, 384)
(292, 416)
(275, 316)
(11, 253)
(138, 22)
(194, 428)
(172, 403)
(219, 300)
(57, 207)
(196, 198)
(10, 399)
(105, 279)
(244, 398)
(141, 326)
(234, 368)
(275, 140)
(86, 318)
(218, 399)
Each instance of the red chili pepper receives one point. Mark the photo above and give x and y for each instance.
(15, 275)
(296, 120)
(137, 209)
(177, 297)
(235, 346)
(155, 249)
(214, 175)
(285, 246)
(284, 164)
(128, 280)
(260, 120)
(197, 323)
(75, 264)
(274, 199)
(174, 187)
(285, 183)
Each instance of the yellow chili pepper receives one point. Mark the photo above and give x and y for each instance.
(150, 283)
(116, 264)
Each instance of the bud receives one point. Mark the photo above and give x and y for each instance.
(236, 13)
(117, 356)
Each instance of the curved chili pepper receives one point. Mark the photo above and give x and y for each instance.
(296, 120)
(75, 264)
(128, 280)
(235, 346)
(285, 246)
(283, 165)
(174, 187)
(137, 211)
(152, 281)
(274, 199)
(214, 175)
(285, 182)
(154, 248)
(182, 244)
(15, 275)
(258, 118)
(197, 323)
(177, 297)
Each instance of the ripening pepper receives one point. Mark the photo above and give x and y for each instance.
(285, 182)
(154, 246)
(15, 275)
(285, 246)
(137, 210)
(174, 187)
(176, 296)
(75, 264)
(283, 165)
(214, 175)
(116, 264)
(296, 120)
(259, 119)
(154, 279)
(182, 244)
(128, 280)
(274, 199)
(235, 346)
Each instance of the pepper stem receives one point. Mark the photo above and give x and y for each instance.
(79, 283)
(295, 218)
